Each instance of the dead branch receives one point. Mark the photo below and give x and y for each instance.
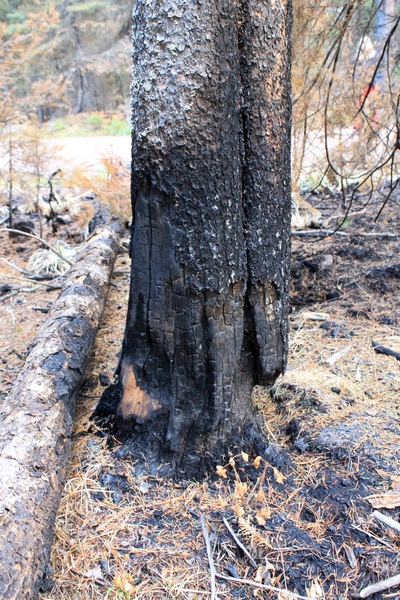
(239, 543)
(262, 586)
(378, 539)
(17, 291)
(338, 355)
(388, 521)
(379, 349)
(317, 232)
(209, 554)
(28, 274)
(328, 232)
(380, 586)
(35, 237)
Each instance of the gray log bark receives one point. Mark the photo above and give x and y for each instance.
(36, 419)
(211, 204)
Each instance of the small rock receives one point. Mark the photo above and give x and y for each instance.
(104, 379)
(346, 482)
(336, 390)
(63, 219)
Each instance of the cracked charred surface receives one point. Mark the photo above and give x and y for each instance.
(36, 419)
(210, 235)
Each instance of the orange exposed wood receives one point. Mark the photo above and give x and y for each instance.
(135, 403)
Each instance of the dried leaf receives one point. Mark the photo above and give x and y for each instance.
(279, 477)
(123, 583)
(283, 596)
(395, 482)
(387, 500)
(257, 462)
(350, 556)
(221, 471)
(260, 496)
(232, 461)
(315, 591)
(240, 488)
(260, 519)
(245, 456)
(239, 511)
(262, 515)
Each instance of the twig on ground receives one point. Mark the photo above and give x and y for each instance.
(27, 279)
(317, 232)
(379, 349)
(328, 232)
(209, 554)
(369, 534)
(262, 586)
(15, 292)
(239, 543)
(338, 355)
(193, 512)
(35, 237)
(386, 520)
(30, 275)
(380, 586)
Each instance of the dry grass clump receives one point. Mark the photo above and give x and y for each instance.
(46, 261)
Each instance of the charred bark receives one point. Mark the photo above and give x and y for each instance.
(36, 420)
(211, 217)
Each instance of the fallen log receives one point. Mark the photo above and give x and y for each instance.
(379, 349)
(36, 419)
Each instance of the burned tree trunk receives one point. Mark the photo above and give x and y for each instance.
(211, 217)
(36, 419)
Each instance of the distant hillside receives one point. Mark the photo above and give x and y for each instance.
(90, 48)
(94, 53)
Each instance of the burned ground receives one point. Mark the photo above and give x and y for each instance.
(303, 511)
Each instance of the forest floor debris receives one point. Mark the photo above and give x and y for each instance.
(305, 512)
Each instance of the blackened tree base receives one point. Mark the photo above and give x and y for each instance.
(210, 245)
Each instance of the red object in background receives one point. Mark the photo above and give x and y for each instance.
(367, 91)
